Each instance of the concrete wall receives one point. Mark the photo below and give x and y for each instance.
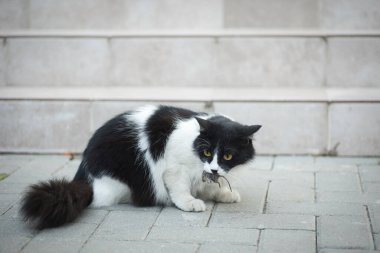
(195, 14)
(223, 62)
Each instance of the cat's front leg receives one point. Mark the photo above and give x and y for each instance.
(179, 188)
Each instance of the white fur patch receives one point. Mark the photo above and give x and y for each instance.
(140, 118)
(109, 191)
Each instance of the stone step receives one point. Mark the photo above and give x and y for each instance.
(295, 121)
(195, 14)
(241, 58)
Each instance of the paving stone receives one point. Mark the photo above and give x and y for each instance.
(377, 240)
(347, 251)
(337, 181)
(294, 163)
(350, 14)
(130, 207)
(281, 207)
(13, 243)
(371, 187)
(348, 197)
(284, 191)
(98, 245)
(226, 248)
(343, 232)
(9, 188)
(14, 212)
(68, 171)
(9, 164)
(70, 232)
(92, 216)
(56, 246)
(126, 225)
(370, 173)
(18, 228)
(272, 115)
(39, 169)
(262, 221)
(205, 235)
(348, 122)
(336, 160)
(374, 211)
(287, 241)
(173, 217)
(7, 201)
(252, 199)
(269, 14)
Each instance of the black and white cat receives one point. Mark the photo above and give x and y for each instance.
(154, 155)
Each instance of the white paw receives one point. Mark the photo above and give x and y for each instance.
(228, 197)
(194, 205)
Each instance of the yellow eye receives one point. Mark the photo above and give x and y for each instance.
(207, 153)
(227, 157)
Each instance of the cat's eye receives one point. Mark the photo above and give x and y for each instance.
(206, 153)
(227, 157)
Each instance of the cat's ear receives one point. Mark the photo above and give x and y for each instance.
(250, 130)
(203, 124)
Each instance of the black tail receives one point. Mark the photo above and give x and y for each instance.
(55, 202)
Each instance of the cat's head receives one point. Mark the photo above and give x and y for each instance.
(223, 144)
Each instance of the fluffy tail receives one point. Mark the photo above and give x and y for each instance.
(55, 202)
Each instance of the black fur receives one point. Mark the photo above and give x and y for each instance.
(55, 202)
(113, 151)
(226, 137)
(161, 125)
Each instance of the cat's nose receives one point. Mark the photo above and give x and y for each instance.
(214, 171)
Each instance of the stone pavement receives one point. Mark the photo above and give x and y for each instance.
(289, 204)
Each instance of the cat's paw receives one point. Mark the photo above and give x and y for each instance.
(227, 196)
(194, 205)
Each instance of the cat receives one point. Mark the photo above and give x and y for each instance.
(154, 155)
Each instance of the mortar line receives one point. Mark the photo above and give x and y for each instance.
(154, 222)
(315, 187)
(259, 240)
(360, 179)
(316, 234)
(198, 248)
(264, 209)
(373, 244)
(93, 232)
(211, 213)
(273, 162)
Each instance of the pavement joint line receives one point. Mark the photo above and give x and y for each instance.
(93, 232)
(360, 179)
(198, 248)
(315, 186)
(259, 240)
(316, 234)
(372, 238)
(26, 244)
(153, 224)
(273, 162)
(59, 168)
(211, 214)
(264, 209)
